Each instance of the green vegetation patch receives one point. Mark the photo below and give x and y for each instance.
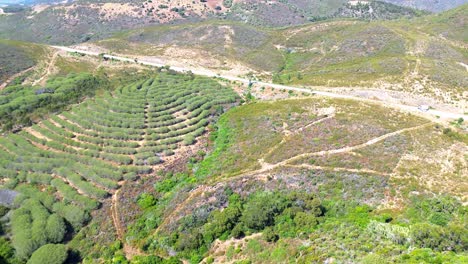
(66, 166)
(20, 105)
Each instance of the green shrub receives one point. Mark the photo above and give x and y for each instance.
(238, 231)
(50, 254)
(270, 235)
(189, 140)
(55, 228)
(3, 210)
(146, 200)
(6, 251)
(76, 216)
(305, 221)
(260, 210)
(438, 238)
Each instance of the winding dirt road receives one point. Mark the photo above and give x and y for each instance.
(434, 115)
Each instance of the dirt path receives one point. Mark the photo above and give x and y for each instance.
(115, 215)
(9, 80)
(128, 250)
(265, 167)
(349, 148)
(288, 133)
(337, 169)
(314, 123)
(48, 70)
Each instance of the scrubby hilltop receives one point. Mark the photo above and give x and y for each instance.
(17, 58)
(80, 21)
(429, 5)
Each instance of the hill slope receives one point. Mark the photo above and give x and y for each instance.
(429, 5)
(425, 56)
(256, 196)
(81, 21)
(18, 57)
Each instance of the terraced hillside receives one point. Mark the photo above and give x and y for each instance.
(68, 165)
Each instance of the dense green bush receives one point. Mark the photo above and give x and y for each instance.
(146, 200)
(451, 238)
(50, 254)
(259, 212)
(6, 251)
(270, 235)
(74, 215)
(55, 228)
(33, 226)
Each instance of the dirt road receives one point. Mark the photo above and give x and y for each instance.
(432, 114)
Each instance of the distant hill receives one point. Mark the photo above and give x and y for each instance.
(429, 5)
(30, 2)
(81, 21)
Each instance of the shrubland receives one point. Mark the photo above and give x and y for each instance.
(313, 179)
(107, 169)
(90, 20)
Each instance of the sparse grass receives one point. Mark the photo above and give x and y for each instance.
(435, 161)
(381, 157)
(236, 149)
(66, 66)
(282, 129)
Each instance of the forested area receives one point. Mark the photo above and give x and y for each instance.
(66, 166)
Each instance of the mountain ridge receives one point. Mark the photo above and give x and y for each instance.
(85, 20)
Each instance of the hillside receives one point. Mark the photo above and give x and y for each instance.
(425, 56)
(18, 57)
(32, 64)
(429, 5)
(81, 21)
(185, 174)
(291, 186)
(241, 132)
(84, 155)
